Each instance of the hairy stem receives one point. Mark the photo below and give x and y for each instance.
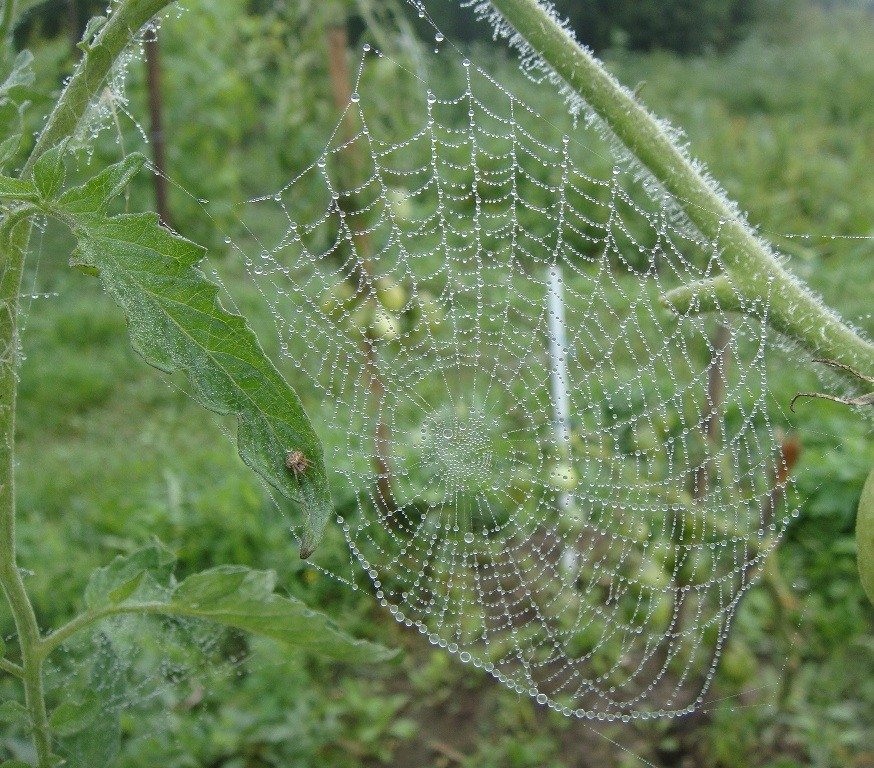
(754, 270)
(92, 71)
(13, 243)
(11, 668)
(57, 638)
(86, 82)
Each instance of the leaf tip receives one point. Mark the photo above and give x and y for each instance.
(307, 545)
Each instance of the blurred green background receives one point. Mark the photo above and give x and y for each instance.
(776, 97)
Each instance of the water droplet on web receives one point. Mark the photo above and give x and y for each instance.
(484, 311)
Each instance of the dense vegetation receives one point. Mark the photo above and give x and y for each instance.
(110, 455)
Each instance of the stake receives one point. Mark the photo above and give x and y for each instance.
(337, 40)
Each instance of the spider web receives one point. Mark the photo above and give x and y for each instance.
(537, 465)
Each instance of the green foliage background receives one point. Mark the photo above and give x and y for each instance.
(110, 455)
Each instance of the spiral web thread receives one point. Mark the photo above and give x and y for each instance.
(537, 466)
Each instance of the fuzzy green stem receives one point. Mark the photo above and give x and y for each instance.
(57, 638)
(86, 82)
(13, 243)
(11, 668)
(92, 71)
(755, 272)
(717, 294)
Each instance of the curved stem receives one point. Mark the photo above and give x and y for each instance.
(57, 638)
(11, 668)
(88, 78)
(14, 235)
(92, 71)
(755, 272)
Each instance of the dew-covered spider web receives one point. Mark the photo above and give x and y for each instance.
(536, 464)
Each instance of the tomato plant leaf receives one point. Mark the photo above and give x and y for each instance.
(95, 194)
(117, 581)
(90, 729)
(49, 172)
(74, 716)
(14, 713)
(20, 76)
(17, 189)
(236, 596)
(176, 321)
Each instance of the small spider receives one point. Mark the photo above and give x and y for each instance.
(297, 463)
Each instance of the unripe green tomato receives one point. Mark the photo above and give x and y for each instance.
(400, 202)
(385, 326)
(432, 312)
(865, 537)
(645, 438)
(564, 477)
(362, 316)
(337, 300)
(391, 295)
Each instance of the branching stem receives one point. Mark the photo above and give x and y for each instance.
(754, 270)
(11, 668)
(85, 84)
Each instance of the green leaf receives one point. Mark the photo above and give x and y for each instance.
(239, 597)
(15, 764)
(94, 25)
(21, 75)
(8, 147)
(71, 717)
(90, 730)
(14, 713)
(865, 537)
(17, 189)
(177, 322)
(49, 172)
(95, 194)
(117, 581)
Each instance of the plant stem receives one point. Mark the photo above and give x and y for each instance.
(13, 243)
(11, 668)
(92, 71)
(59, 636)
(755, 272)
(88, 78)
